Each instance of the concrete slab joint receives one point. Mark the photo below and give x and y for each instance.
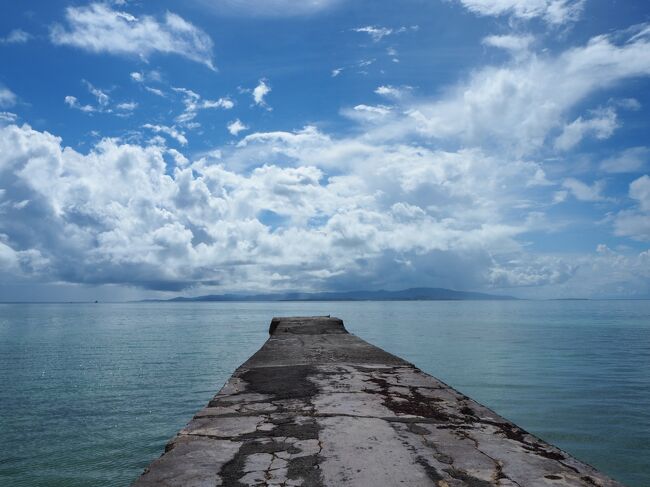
(318, 406)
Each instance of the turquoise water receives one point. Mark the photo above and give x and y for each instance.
(90, 394)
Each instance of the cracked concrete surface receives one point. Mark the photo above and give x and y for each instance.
(317, 406)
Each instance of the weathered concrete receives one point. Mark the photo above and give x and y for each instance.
(317, 406)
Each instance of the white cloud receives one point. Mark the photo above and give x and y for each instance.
(634, 159)
(73, 102)
(225, 103)
(640, 191)
(7, 97)
(604, 274)
(535, 271)
(269, 8)
(635, 222)
(98, 28)
(374, 109)
(376, 33)
(127, 106)
(601, 125)
(143, 76)
(201, 222)
(368, 113)
(438, 191)
(194, 103)
(155, 91)
(629, 104)
(8, 117)
(509, 42)
(552, 11)
(16, 36)
(359, 67)
(172, 132)
(102, 98)
(560, 196)
(583, 192)
(355, 212)
(104, 103)
(260, 91)
(494, 105)
(236, 126)
(392, 91)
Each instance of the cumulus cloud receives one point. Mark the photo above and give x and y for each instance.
(99, 28)
(605, 273)
(260, 91)
(392, 91)
(441, 191)
(552, 11)
(494, 105)
(202, 223)
(127, 106)
(236, 126)
(533, 271)
(172, 132)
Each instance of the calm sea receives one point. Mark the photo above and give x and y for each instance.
(90, 393)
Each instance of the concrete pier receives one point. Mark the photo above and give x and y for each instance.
(317, 406)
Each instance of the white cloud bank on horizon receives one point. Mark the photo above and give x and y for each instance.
(98, 28)
(77, 218)
(394, 216)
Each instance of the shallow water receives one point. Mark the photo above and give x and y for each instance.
(90, 393)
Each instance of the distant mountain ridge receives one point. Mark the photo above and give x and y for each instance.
(411, 294)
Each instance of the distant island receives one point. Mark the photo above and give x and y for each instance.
(412, 294)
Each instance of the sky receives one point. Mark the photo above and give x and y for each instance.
(154, 149)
